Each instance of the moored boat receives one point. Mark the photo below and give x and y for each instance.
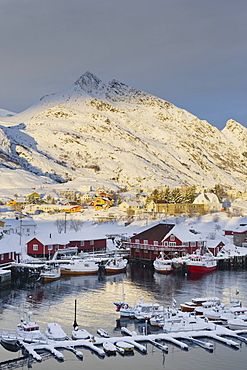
(50, 273)
(201, 264)
(79, 267)
(109, 348)
(127, 347)
(27, 331)
(116, 265)
(55, 332)
(163, 265)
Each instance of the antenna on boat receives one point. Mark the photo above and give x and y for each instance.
(75, 323)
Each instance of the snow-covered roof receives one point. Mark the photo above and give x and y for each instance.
(10, 243)
(206, 198)
(183, 233)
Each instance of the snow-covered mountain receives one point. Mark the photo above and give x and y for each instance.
(113, 132)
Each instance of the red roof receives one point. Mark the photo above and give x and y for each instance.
(155, 233)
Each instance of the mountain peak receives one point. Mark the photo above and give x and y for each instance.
(90, 83)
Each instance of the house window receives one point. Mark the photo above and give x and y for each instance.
(172, 238)
(91, 242)
(172, 244)
(35, 247)
(82, 243)
(192, 244)
(50, 247)
(165, 244)
(186, 244)
(156, 242)
(137, 241)
(28, 230)
(10, 255)
(145, 241)
(200, 243)
(2, 257)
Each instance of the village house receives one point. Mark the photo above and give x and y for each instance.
(22, 226)
(161, 206)
(240, 236)
(173, 240)
(10, 249)
(46, 245)
(210, 201)
(130, 207)
(233, 224)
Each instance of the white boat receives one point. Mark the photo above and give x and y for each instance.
(109, 348)
(78, 333)
(185, 324)
(79, 267)
(27, 331)
(103, 333)
(163, 265)
(50, 273)
(55, 332)
(126, 310)
(144, 311)
(116, 265)
(238, 323)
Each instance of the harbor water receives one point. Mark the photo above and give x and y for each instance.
(54, 302)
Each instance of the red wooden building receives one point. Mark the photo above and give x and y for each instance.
(45, 246)
(173, 240)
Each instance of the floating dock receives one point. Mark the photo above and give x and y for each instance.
(215, 333)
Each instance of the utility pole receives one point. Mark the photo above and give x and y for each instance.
(65, 222)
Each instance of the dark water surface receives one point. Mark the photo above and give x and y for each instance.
(54, 302)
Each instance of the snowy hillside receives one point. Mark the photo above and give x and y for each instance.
(115, 133)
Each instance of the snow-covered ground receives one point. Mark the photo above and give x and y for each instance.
(210, 226)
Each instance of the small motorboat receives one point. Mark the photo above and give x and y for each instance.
(163, 265)
(55, 332)
(127, 347)
(79, 267)
(116, 265)
(103, 333)
(109, 348)
(78, 333)
(237, 323)
(50, 273)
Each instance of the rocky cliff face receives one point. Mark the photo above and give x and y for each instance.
(115, 132)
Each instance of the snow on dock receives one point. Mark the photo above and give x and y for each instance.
(177, 338)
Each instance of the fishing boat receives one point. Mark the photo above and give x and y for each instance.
(116, 265)
(201, 264)
(55, 332)
(109, 348)
(27, 331)
(163, 265)
(50, 273)
(79, 267)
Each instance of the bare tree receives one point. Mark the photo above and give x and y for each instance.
(75, 224)
(60, 224)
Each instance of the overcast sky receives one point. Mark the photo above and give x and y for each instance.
(192, 53)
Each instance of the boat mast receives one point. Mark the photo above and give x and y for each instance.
(75, 323)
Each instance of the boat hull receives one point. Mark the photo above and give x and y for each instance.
(110, 270)
(164, 271)
(78, 272)
(193, 269)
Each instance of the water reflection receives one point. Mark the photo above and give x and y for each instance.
(95, 296)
